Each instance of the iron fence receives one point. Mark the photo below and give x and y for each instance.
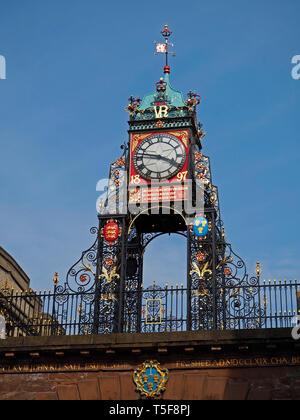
(270, 304)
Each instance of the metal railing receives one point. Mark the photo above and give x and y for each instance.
(270, 304)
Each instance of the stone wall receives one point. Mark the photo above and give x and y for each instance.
(11, 274)
(249, 365)
(247, 384)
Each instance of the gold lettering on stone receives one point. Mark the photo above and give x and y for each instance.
(249, 362)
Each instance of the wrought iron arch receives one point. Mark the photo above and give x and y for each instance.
(132, 223)
(145, 245)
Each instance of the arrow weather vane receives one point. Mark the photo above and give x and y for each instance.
(163, 47)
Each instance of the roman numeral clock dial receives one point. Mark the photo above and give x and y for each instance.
(159, 157)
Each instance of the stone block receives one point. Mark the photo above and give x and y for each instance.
(194, 386)
(175, 387)
(110, 387)
(260, 393)
(128, 388)
(236, 390)
(47, 396)
(68, 393)
(215, 388)
(89, 390)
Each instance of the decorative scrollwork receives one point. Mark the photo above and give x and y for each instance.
(81, 276)
(154, 292)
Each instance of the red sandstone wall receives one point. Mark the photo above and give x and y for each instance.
(222, 384)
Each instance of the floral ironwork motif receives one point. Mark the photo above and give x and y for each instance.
(133, 105)
(193, 100)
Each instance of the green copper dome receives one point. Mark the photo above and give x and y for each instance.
(164, 95)
(174, 97)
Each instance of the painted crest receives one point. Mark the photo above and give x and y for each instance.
(200, 226)
(150, 379)
(111, 232)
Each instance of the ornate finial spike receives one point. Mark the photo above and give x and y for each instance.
(55, 279)
(163, 47)
(258, 269)
(133, 105)
(166, 33)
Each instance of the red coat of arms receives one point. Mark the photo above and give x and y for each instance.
(111, 232)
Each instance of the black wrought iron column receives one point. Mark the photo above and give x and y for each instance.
(122, 280)
(214, 277)
(189, 282)
(96, 317)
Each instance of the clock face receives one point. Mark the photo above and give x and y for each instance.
(159, 157)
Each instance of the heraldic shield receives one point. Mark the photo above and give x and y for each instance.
(150, 379)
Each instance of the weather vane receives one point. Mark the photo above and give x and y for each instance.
(163, 47)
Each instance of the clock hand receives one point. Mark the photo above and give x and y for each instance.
(146, 155)
(158, 157)
(171, 161)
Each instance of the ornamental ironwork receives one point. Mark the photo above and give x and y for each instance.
(104, 291)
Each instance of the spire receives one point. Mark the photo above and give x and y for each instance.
(163, 47)
(164, 94)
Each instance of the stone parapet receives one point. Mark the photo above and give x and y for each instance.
(230, 365)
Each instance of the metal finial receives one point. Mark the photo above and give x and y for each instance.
(166, 32)
(163, 47)
(133, 105)
(258, 269)
(55, 279)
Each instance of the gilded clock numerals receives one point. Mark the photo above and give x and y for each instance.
(160, 156)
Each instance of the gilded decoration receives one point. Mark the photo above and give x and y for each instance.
(135, 140)
(184, 136)
(153, 312)
(150, 379)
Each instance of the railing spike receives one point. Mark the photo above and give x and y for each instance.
(55, 279)
(258, 269)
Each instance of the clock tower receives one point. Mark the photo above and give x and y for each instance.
(162, 184)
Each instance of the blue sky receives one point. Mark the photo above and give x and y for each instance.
(71, 67)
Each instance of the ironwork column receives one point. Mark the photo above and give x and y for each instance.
(95, 327)
(121, 292)
(189, 282)
(214, 277)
